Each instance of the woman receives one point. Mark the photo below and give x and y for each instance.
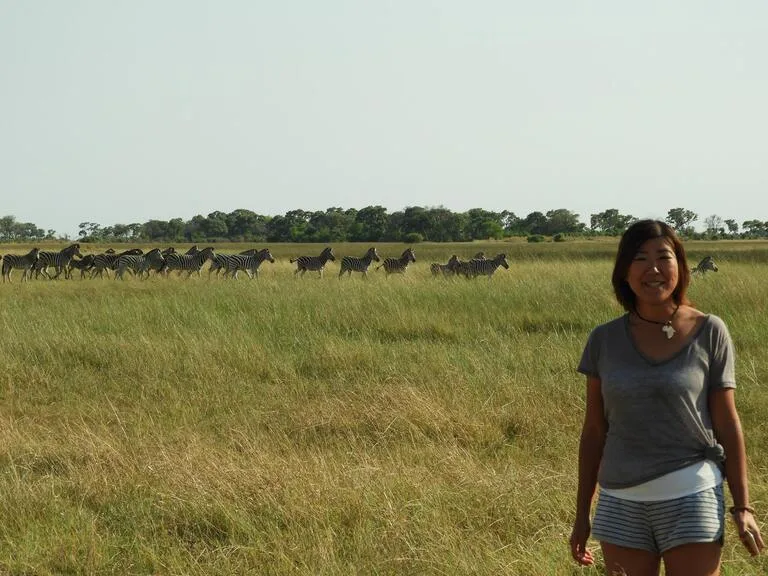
(661, 429)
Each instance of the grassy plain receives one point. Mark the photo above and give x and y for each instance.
(315, 426)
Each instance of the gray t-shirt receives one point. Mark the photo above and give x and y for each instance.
(657, 411)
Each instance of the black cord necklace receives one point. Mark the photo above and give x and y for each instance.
(666, 327)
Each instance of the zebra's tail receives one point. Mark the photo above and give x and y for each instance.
(293, 260)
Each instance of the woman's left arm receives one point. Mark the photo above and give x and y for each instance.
(727, 427)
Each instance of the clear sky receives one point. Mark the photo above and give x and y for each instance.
(130, 110)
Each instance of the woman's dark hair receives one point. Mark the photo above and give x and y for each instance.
(631, 241)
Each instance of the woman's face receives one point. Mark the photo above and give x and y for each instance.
(653, 273)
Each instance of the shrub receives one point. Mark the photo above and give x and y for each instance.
(413, 238)
(536, 238)
(558, 237)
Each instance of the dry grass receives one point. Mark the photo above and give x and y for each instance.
(284, 426)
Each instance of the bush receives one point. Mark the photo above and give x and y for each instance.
(413, 238)
(558, 237)
(536, 238)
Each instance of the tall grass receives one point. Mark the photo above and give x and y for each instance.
(319, 426)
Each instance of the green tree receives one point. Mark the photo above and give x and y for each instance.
(395, 227)
(298, 222)
(714, 225)
(89, 232)
(562, 221)
(610, 222)
(370, 224)
(278, 229)
(8, 228)
(155, 230)
(416, 219)
(445, 226)
(681, 219)
(175, 228)
(483, 224)
(328, 226)
(513, 225)
(246, 225)
(195, 229)
(733, 226)
(754, 228)
(535, 223)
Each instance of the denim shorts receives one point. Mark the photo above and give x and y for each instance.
(659, 526)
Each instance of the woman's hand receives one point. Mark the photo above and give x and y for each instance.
(578, 541)
(749, 531)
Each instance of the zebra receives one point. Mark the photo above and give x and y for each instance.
(351, 264)
(221, 261)
(108, 261)
(707, 263)
(24, 262)
(248, 262)
(313, 263)
(476, 267)
(59, 260)
(188, 262)
(83, 264)
(141, 264)
(446, 270)
(398, 265)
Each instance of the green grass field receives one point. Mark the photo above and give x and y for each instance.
(402, 425)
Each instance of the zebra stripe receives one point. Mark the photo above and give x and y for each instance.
(707, 263)
(140, 264)
(475, 267)
(221, 261)
(83, 264)
(59, 260)
(108, 261)
(446, 270)
(248, 262)
(24, 262)
(313, 263)
(398, 265)
(188, 262)
(351, 264)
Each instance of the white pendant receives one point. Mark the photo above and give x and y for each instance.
(668, 330)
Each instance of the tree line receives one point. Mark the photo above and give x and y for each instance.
(375, 224)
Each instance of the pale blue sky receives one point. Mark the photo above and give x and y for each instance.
(125, 111)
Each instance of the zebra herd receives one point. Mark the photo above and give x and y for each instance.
(479, 265)
(37, 263)
(135, 261)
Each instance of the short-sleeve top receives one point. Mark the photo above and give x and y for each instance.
(657, 411)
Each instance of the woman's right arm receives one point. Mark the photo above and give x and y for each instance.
(591, 445)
